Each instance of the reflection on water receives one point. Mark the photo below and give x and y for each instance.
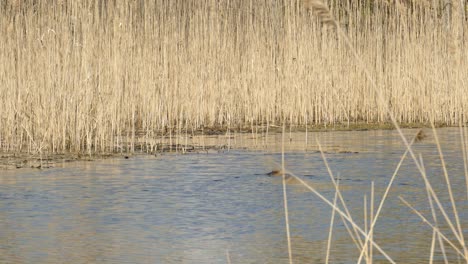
(199, 208)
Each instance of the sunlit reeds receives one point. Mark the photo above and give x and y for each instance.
(323, 13)
(87, 77)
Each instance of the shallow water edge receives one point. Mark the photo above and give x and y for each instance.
(212, 139)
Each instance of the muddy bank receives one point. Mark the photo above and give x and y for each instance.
(360, 126)
(9, 161)
(204, 140)
(34, 160)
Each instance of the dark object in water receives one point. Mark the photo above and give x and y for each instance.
(288, 177)
(126, 157)
(420, 136)
(275, 173)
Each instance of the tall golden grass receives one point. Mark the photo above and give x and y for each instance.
(324, 14)
(91, 76)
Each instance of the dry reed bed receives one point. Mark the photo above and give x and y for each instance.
(79, 76)
(456, 11)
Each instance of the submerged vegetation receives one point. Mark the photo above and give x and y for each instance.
(91, 76)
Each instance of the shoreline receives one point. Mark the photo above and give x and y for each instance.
(21, 160)
(272, 128)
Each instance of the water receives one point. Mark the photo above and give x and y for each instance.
(208, 207)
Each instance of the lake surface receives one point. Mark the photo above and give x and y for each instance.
(217, 207)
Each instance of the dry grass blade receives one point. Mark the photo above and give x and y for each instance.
(365, 248)
(449, 190)
(228, 257)
(436, 229)
(343, 214)
(433, 242)
(285, 197)
(332, 220)
(384, 196)
(371, 232)
(343, 203)
(464, 146)
(438, 203)
(434, 217)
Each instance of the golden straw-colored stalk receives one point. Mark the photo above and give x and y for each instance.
(82, 77)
